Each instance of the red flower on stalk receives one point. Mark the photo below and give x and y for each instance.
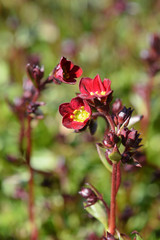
(75, 114)
(94, 88)
(66, 72)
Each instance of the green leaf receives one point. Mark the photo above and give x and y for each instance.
(99, 213)
(138, 237)
(115, 156)
(103, 158)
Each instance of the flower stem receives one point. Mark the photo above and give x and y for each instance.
(34, 231)
(21, 137)
(118, 180)
(112, 220)
(110, 120)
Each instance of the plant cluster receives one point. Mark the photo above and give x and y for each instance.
(120, 143)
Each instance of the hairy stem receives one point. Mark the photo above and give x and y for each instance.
(112, 220)
(118, 180)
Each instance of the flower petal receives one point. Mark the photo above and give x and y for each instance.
(65, 108)
(76, 71)
(86, 86)
(107, 85)
(98, 85)
(76, 103)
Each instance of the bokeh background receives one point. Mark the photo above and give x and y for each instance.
(101, 36)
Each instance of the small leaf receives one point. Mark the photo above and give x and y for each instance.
(137, 237)
(103, 158)
(98, 212)
(115, 156)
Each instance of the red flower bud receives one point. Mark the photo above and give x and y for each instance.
(89, 195)
(35, 74)
(123, 116)
(117, 106)
(130, 138)
(110, 139)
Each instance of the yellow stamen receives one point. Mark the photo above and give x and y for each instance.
(80, 115)
(103, 93)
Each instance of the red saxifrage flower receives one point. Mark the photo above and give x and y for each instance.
(94, 88)
(76, 114)
(66, 72)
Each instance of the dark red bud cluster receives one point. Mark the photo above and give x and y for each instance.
(123, 116)
(130, 138)
(110, 139)
(89, 195)
(34, 111)
(35, 73)
(127, 157)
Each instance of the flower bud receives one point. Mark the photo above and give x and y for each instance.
(89, 195)
(130, 138)
(34, 111)
(110, 139)
(35, 73)
(123, 116)
(126, 157)
(117, 106)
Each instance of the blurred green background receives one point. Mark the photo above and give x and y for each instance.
(101, 36)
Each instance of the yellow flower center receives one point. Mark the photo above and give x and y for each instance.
(80, 115)
(100, 94)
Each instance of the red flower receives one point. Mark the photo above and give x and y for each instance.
(66, 72)
(94, 88)
(75, 114)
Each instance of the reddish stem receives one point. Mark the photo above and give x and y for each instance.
(110, 121)
(34, 231)
(21, 136)
(112, 220)
(118, 176)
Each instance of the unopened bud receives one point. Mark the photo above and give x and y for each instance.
(35, 73)
(89, 195)
(123, 116)
(110, 139)
(130, 138)
(117, 106)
